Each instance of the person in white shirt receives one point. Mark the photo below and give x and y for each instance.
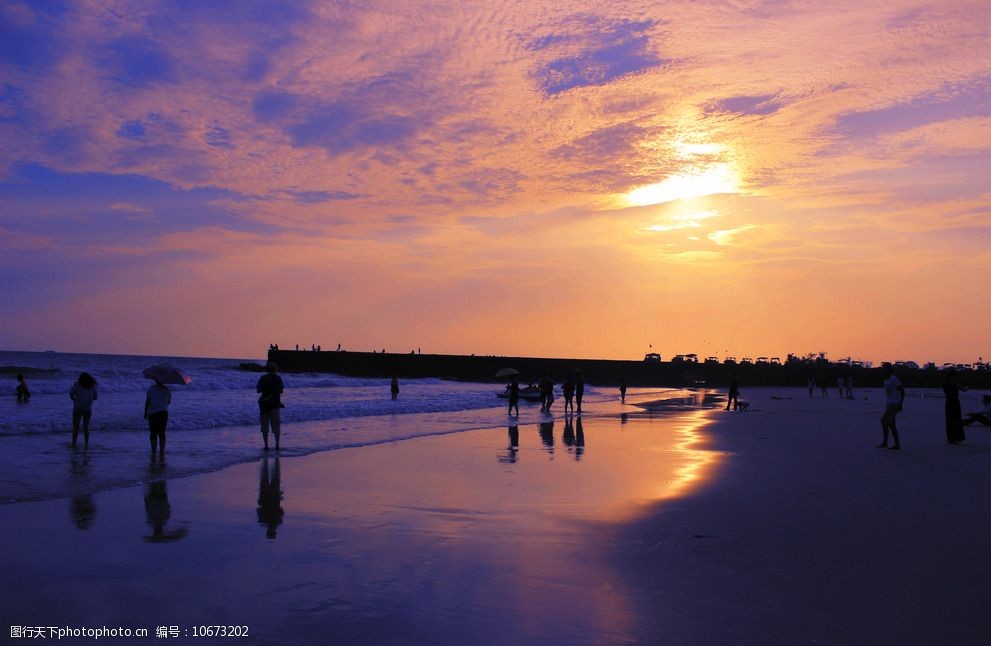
(157, 413)
(894, 397)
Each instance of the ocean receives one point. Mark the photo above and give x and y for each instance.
(213, 421)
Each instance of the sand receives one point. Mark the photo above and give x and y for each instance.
(782, 525)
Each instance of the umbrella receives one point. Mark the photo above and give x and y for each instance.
(507, 372)
(166, 375)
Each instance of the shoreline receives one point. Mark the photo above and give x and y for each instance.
(120, 457)
(681, 526)
(491, 534)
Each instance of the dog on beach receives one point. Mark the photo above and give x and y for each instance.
(742, 406)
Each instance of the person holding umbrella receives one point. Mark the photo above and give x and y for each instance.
(157, 413)
(157, 401)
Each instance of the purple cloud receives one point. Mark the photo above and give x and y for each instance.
(951, 103)
(137, 62)
(604, 144)
(606, 52)
(758, 105)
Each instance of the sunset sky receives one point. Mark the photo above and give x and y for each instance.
(581, 179)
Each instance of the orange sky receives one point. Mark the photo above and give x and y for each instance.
(530, 178)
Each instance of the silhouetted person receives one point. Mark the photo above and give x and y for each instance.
(568, 389)
(546, 393)
(83, 394)
(157, 403)
(849, 386)
(622, 390)
(270, 387)
(954, 416)
(514, 396)
(579, 390)
(394, 387)
(983, 417)
(812, 385)
(22, 391)
(894, 397)
(824, 386)
(157, 514)
(270, 510)
(732, 398)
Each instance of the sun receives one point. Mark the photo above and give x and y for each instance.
(710, 179)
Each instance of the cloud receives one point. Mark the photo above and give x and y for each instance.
(942, 104)
(273, 105)
(341, 127)
(746, 105)
(218, 137)
(603, 145)
(92, 208)
(31, 35)
(320, 197)
(433, 149)
(131, 130)
(136, 62)
(593, 52)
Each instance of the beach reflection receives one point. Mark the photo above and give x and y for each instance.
(546, 430)
(574, 436)
(158, 511)
(511, 454)
(579, 439)
(82, 509)
(631, 469)
(697, 463)
(270, 496)
(509, 538)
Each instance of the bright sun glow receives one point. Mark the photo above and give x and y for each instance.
(686, 221)
(712, 179)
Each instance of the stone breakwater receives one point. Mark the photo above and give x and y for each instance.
(600, 372)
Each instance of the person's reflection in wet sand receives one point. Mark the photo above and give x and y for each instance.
(157, 514)
(512, 451)
(270, 510)
(568, 436)
(624, 418)
(82, 510)
(156, 464)
(547, 436)
(579, 439)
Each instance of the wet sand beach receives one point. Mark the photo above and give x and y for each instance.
(782, 525)
(431, 540)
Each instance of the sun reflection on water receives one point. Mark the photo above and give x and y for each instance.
(698, 462)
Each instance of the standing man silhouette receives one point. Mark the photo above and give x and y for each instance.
(894, 395)
(270, 387)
